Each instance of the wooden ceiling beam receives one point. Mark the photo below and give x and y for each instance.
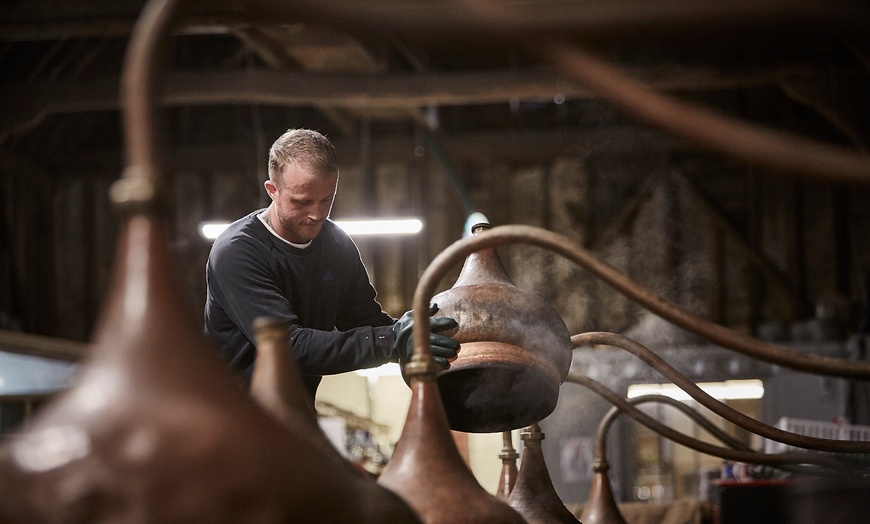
(51, 19)
(22, 105)
(493, 146)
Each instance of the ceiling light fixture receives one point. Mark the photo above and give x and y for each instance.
(384, 227)
(727, 390)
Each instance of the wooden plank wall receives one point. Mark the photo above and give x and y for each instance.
(706, 233)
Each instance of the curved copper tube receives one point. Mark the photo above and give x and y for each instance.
(707, 128)
(706, 424)
(587, 18)
(705, 447)
(138, 188)
(562, 245)
(724, 411)
(699, 125)
(709, 427)
(601, 506)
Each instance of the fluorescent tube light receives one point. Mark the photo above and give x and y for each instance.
(728, 390)
(211, 230)
(394, 226)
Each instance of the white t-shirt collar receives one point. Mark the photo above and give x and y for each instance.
(262, 217)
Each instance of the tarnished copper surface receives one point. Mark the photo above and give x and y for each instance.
(515, 349)
(427, 471)
(508, 476)
(534, 496)
(156, 430)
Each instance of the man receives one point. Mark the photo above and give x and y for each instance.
(290, 261)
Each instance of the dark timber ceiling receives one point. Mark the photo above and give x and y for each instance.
(390, 66)
(377, 76)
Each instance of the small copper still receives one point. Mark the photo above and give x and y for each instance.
(515, 349)
(601, 507)
(426, 469)
(275, 383)
(534, 496)
(508, 476)
(277, 387)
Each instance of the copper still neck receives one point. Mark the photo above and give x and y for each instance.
(534, 496)
(600, 507)
(508, 476)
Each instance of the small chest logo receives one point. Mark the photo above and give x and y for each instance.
(328, 276)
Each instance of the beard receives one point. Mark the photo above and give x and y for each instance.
(299, 231)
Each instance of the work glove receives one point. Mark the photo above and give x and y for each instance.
(444, 348)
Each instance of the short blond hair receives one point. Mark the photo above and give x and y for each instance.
(304, 148)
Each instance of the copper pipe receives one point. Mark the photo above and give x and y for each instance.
(591, 19)
(508, 476)
(712, 429)
(601, 506)
(138, 189)
(699, 125)
(562, 245)
(707, 425)
(707, 128)
(777, 459)
(724, 411)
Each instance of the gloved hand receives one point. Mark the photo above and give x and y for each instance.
(444, 348)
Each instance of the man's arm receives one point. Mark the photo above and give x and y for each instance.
(242, 278)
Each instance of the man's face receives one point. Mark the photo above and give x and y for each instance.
(301, 203)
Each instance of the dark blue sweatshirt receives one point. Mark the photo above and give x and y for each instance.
(337, 325)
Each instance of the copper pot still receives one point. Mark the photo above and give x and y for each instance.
(516, 349)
